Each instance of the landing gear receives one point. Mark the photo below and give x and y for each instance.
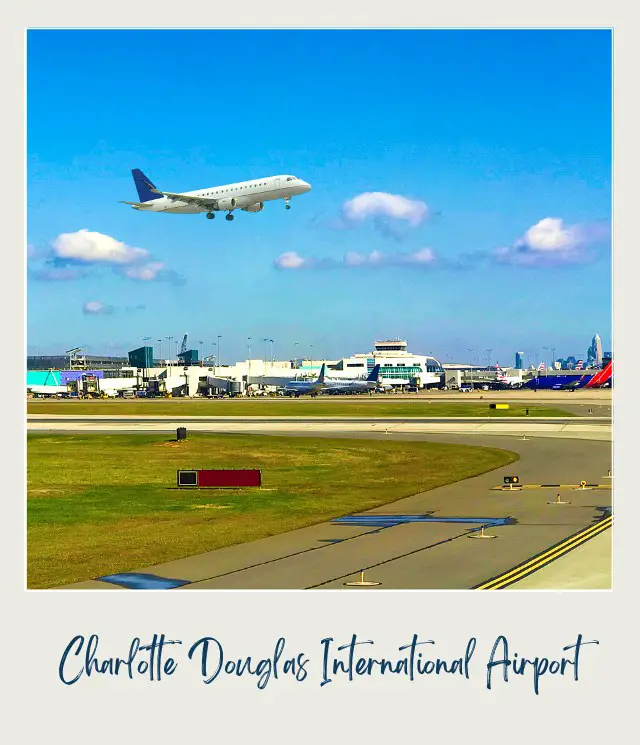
(229, 217)
(210, 215)
(287, 206)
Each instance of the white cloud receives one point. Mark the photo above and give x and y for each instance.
(355, 260)
(382, 204)
(550, 243)
(423, 256)
(95, 307)
(76, 255)
(92, 247)
(290, 260)
(143, 272)
(550, 235)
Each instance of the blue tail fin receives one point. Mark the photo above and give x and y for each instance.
(321, 376)
(142, 185)
(374, 374)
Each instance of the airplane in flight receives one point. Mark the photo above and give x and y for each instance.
(249, 196)
(298, 387)
(354, 385)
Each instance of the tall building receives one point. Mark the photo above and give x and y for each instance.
(594, 353)
(519, 360)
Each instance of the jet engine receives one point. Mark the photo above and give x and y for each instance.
(257, 207)
(226, 204)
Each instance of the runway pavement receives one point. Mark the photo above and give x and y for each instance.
(411, 555)
(595, 428)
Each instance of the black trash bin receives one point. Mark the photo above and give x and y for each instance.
(181, 433)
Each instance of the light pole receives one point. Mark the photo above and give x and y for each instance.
(264, 364)
(201, 343)
(160, 349)
(489, 357)
(218, 360)
(546, 359)
(169, 338)
(271, 342)
(553, 357)
(470, 350)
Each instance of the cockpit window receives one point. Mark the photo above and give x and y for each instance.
(290, 178)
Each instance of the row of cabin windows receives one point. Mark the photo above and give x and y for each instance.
(223, 191)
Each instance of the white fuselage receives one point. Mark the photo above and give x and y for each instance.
(243, 195)
(303, 386)
(350, 385)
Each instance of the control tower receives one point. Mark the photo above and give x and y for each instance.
(391, 345)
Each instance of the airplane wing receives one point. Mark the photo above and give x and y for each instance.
(200, 201)
(133, 204)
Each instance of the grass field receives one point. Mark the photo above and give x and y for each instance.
(288, 407)
(100, 504)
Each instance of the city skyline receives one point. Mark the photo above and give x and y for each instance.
(472, 203)
(169, 347)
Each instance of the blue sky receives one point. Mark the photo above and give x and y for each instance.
(461, 190)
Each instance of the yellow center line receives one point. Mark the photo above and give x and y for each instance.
(553, 553)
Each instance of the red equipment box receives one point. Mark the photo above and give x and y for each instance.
(220, 478)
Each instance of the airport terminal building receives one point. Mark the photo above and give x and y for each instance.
(187, 376)
(398, 366)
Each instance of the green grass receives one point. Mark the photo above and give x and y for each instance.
(100, 504)
(288, 407)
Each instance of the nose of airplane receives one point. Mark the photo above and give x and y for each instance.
(306, 186)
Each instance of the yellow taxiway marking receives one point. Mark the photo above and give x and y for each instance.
(546, 557)
(551, 486)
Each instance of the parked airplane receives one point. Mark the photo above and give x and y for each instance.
(356, 385)
(508, 381)
(47, 390)
(299, 387)
(248, 196)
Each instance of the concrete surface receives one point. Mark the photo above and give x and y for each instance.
(415, 555)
